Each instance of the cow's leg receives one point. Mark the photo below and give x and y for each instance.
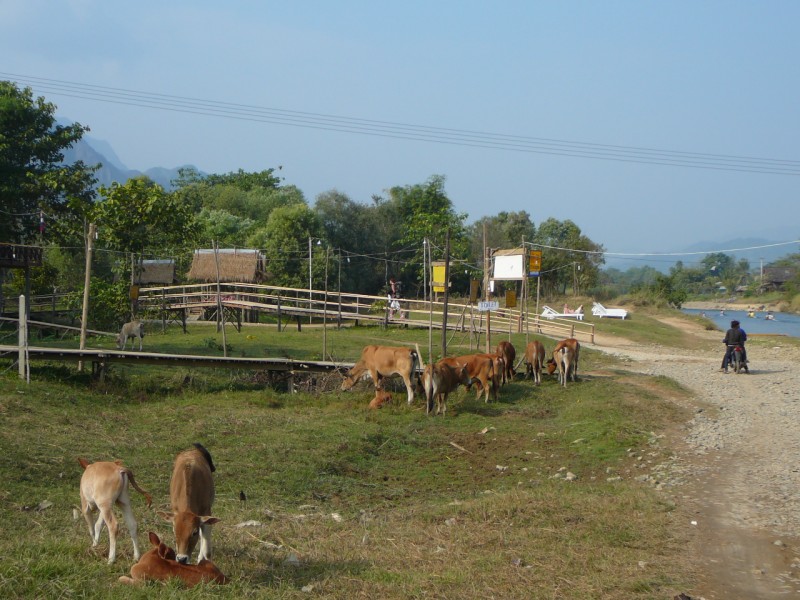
(125, 504)
(409, 387)
(140, 343)
(88, 515)
(107, 515)
(205, 543)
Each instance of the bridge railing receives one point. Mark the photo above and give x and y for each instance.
(334, 305)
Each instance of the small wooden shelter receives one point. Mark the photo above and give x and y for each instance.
(236, 265)
(157, 271)
(776, 278)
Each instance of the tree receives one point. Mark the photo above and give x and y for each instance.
(139, 215)
(426, 212)
(569, 258)
(285, 245)
(33, 177)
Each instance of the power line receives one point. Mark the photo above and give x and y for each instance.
(406, 131)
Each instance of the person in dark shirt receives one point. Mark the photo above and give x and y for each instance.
(735, 336)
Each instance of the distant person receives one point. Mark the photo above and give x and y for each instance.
(735, 336)
(395, 293)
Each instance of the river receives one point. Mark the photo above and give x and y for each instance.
(782, 324)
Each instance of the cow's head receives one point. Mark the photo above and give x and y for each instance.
(463, 374)
(551, 366)
(186, 526)
(163, 551)
(348, 383)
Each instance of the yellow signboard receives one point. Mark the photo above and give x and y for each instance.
(535, 262)
(437, 277)
(511, 299)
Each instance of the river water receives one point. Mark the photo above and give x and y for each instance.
(783, 323)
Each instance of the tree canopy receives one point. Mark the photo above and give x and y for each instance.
(33, 177)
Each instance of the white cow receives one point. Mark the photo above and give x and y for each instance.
(134, 329)
(104, 484)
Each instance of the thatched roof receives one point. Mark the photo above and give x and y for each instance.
(779, 275)
(235, 265)
(157, 271)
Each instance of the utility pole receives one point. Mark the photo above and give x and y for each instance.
(446, 291)
(87, 280)
(486, 265)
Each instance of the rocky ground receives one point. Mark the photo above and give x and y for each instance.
(736, 474)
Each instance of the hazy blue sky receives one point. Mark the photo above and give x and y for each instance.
(714, 78)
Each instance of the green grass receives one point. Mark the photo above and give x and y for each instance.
(466, 506)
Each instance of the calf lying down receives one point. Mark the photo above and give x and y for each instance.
(159, 564)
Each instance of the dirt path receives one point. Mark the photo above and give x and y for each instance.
(737, 471)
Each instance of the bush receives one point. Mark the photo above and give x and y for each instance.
(109, 304)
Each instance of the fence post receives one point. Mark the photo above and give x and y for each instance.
(23, 338)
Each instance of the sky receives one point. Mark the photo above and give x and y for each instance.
(651, 125)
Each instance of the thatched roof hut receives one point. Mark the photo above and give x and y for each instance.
(235, 265)
(157, 271)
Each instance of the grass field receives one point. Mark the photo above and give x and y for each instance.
(347, 502)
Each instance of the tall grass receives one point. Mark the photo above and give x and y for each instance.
(378, 504)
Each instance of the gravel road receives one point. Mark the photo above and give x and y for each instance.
(737, 470)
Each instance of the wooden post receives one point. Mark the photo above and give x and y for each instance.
(446, 291)
(87, 280)
(220, 314)
(24, 370)
(486, 265)
(325, 311)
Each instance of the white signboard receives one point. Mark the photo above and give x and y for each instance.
(509, 267)
(488, 305)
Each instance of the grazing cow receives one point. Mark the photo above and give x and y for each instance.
(191, 494)
(102, 485)
(439, 379)
(159, 564)
(134, 329)
(534, 360)
(381, 398)
(565, 359)
(508, 353)
(481, 370)
(378, 362)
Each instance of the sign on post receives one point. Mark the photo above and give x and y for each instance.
(535, 263)
(485, 305)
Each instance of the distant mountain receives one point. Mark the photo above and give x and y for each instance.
(93, 151)
(762, 250)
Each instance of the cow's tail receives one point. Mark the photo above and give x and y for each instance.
(418, 363)
(427, 386)
(206, 454)
(147, 497)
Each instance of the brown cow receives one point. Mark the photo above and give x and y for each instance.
(160, 564)
(378, 362)
(439, 379)
(534, 360)
(191, 494)
(481, 370)
(565, 359)
(508, 353)
(102, 485)
(381, 398)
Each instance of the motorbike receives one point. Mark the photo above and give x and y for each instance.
(737, 358)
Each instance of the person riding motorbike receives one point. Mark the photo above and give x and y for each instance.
(735, 336)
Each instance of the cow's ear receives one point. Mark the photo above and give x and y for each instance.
(169, 517)
(209, 520)
(154, 539)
